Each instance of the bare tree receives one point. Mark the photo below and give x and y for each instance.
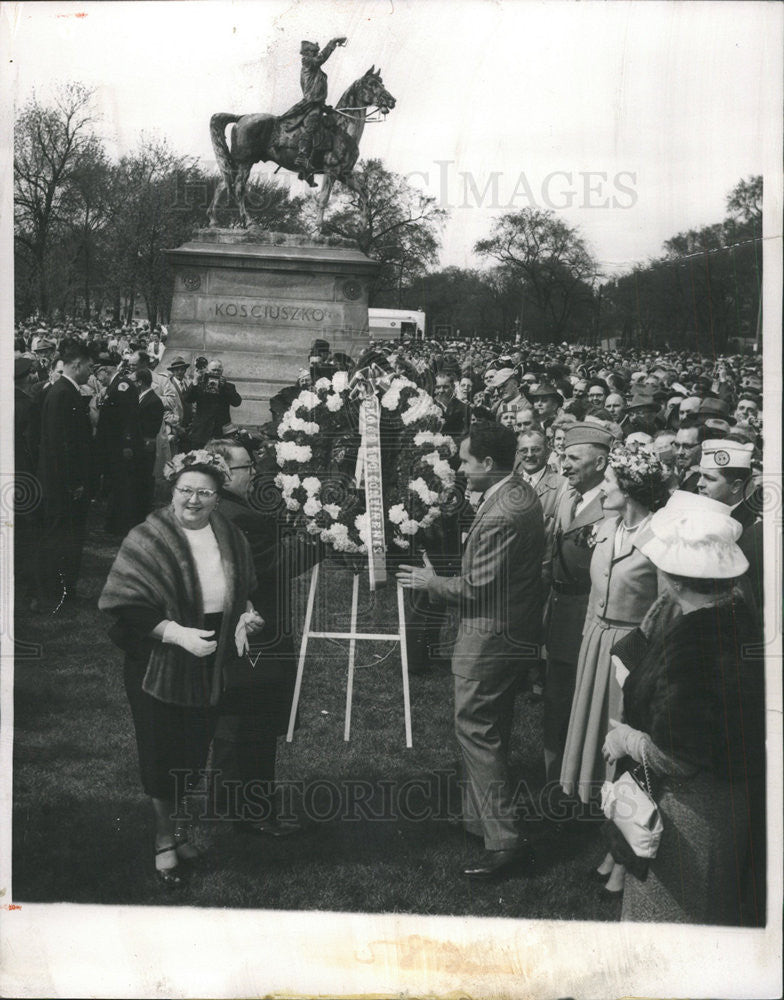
(51, 144)
(551, 262)
(391, 221)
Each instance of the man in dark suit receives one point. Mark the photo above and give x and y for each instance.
(27, 511)
(212, 397)
(64, 473)
(255, 708)
(118, 441)
(531, 466)
(498, 593)
(150, 420)
(456, 415)
(586, 451)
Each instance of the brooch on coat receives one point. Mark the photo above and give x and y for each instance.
(586, 537)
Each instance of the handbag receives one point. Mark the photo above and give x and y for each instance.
(629, 803)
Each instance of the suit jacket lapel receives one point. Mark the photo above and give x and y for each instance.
(588, 515)
(485, 506)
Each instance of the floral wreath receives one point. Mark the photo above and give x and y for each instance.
(319, 440)
(200, 457)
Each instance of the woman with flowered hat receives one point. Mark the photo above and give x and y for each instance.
(623, 587)
(179, 590)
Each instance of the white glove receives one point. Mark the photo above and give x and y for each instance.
(195, 640)
(249, 623)
(616, 743)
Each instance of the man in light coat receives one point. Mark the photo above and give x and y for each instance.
(586, 450)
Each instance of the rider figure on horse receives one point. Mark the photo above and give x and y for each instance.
(313, 81)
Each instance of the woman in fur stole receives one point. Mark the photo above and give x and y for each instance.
(179, 591)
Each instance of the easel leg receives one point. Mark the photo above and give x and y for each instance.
(401, 618)
(352, 648)
(303, 651)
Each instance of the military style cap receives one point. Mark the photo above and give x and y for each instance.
(723, 454)
(588, 433)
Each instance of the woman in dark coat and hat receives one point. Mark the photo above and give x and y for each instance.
(694, 709)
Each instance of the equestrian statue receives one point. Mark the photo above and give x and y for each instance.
(310, 138)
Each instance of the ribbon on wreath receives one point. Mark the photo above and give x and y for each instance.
(374, 489)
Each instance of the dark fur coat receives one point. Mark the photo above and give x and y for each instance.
(154, 574)
(699, 692)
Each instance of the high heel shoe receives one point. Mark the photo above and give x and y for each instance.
(187, 852)
(169, 878)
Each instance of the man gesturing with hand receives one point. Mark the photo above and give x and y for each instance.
(498, 594)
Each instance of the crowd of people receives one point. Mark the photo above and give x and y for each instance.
(613, 568)
(96, 420)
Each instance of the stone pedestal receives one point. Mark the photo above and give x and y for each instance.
(258, 300)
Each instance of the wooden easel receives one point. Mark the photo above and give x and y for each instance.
(352, 636)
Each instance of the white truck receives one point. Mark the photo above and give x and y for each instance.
(396, 324)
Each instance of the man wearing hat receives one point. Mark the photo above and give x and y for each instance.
(713, 408)
(118, 440)
(643, 413)
(313, 81)
(547, 401)
(726, 476)
(505, 383)
(586, 451)
(173, 399)
(64, 473)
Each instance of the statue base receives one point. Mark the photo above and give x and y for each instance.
(257, 300)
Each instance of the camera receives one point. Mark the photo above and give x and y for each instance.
(212, 383)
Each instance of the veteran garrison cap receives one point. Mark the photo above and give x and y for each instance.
(723, 454)
(588, 433)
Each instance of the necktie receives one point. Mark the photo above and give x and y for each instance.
(573, 502)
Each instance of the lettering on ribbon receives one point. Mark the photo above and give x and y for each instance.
(374, 490)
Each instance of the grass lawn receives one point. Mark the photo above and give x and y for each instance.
(83, 829)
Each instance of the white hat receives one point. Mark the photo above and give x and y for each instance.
(722, 454)
(501, 377)
(694, 536)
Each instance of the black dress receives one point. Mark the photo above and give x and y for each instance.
(173, 740)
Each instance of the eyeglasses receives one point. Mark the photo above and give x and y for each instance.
(188, 491)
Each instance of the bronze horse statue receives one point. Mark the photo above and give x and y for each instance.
(263, 137)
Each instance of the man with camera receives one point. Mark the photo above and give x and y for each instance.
(211, 397)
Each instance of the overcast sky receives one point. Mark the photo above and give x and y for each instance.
(633, 119)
